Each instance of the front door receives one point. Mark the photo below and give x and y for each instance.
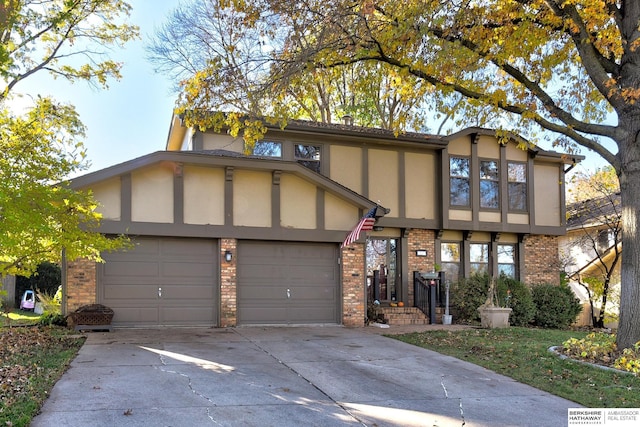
(383, 275)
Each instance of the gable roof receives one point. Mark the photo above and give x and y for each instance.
(178, 131)
(223, 158)
(593, 212)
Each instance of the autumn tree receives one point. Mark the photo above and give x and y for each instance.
(566, 71)
(594, 222)
(41, 144)
(220, 56)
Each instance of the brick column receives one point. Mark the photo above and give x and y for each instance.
(541, 260)
(353, 285)
(81, 283)
(228, 284)
(419, 239)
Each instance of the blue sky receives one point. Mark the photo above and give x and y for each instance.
(132, 117)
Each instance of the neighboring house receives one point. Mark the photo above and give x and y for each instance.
(589, 248)
(225, 239)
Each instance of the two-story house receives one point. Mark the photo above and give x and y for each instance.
(224, 238)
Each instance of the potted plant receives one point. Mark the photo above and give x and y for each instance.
(492, 315)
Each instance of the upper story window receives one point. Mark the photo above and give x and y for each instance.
(267, 149)
(517, 184)
(489, 184)
(308, 156)
(459, 185)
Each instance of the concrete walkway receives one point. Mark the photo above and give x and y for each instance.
(284, 376)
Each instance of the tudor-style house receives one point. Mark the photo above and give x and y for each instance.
(223, 238)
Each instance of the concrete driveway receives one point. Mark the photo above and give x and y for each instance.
(283, 376)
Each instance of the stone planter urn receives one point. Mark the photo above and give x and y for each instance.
(494, 317)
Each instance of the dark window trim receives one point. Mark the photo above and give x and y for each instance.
(469, 179)
(527, 175)
(496, 181)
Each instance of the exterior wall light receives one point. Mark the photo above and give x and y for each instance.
(228, 256)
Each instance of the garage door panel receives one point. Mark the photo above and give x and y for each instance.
(131, 268)
(311, 314)
(125, 292)
(261, 293)
(184, 269)
(312, 274)
(180, 316)
(187, 292)
(263, 315)
(136, 316)
(187, 248)
(266, 270)
(323, 293)
(187, 269)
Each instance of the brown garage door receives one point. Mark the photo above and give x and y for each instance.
(287, 283)
(162, 281)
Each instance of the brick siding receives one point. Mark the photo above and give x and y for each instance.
(419, 239)
(541, 260)
(81, 284)
(228, 284)
(353, 285)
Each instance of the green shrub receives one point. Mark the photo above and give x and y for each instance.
(52, 319)
(467, 294)
(517, 296)
(556, 306)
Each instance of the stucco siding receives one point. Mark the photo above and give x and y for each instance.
(383, 179)
(547, 195)
(339, 214)
(345, 166)
(488, 147)
(211, 141)
(460, 146)
(252, 198)
(107, 194)
(297, 202)
(420, 186)
(515, 153)
(152, 194)
(203, 195)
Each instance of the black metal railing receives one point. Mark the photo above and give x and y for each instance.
(424, 295)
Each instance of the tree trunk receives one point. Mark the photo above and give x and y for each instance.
(605, 293)
(629, 174)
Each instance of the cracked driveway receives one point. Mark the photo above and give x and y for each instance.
(283, 376)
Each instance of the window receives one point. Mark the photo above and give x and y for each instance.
(507, 260)
(517, 184)
(459, 186)
(267, 149)
(308, 156)
(489, 184)
(450, 260)
(479, 257)
(382, 262)
(604, 241)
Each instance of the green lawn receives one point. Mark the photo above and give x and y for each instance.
(522, 354)
(19, 317)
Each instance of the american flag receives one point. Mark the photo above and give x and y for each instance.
(365, 224)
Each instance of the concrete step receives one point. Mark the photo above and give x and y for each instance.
(404, 316)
